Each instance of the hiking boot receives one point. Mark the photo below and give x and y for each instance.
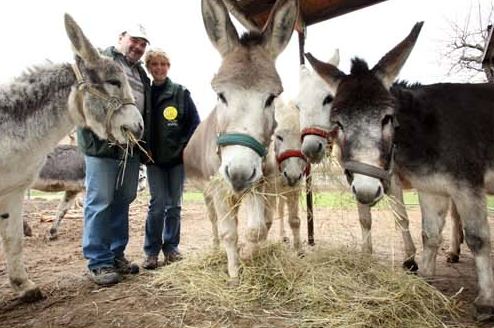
(124, 266)
(171, 257)
(105, 276)
(150, 262)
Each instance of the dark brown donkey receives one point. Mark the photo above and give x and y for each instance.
(438, 139)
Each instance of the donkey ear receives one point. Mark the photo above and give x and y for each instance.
(328, 72)
(388, 68)
(81, 45)
(219, 26)
(335, 59)
(279, 26)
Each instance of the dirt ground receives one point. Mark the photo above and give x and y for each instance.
(58, 267)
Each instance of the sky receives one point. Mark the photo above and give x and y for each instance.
(32, 31)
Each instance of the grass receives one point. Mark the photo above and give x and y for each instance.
(324, 199)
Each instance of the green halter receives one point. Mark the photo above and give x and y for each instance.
(241, 139)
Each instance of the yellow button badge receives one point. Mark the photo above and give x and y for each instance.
(170, 113)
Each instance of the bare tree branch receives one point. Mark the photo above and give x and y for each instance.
(467, 45)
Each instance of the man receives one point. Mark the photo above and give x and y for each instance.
(109, 188)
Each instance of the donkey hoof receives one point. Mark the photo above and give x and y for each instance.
(28, 232)
(31, 295)
(52, 236)
(410, 265)
(233, 282)
(484, 313)
(452, 258)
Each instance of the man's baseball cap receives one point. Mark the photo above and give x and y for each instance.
(137, 31)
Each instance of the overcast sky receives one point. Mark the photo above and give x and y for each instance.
(32, 31)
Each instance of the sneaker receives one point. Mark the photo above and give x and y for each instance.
(105, 276)
(173, 256)
(150, 262)
(124, 266)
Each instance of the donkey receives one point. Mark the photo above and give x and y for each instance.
(40, 108)
(283, 170)
(435, 138)
(227, 149)
(285, 166)
(65, 170)
(314, 101)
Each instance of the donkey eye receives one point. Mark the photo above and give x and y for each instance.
(327, 100)
(339, 125)
(115, 83)
(387, 119)
(280, 138)
(269, 101)
(222, 98)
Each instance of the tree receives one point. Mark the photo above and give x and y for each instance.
(468, 43)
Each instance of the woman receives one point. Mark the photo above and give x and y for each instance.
(168, 127)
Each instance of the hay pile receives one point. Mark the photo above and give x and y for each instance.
(326, 288)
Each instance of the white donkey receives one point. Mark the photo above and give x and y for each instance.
(285, 167)
(283, 170)
(230, 144)
(36, 111)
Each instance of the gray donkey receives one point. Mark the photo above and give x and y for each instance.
(65, 170)
(36, 111)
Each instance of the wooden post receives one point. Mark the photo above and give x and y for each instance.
(487, 57)
(308, 178)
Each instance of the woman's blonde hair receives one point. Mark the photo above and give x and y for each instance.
(153, 53)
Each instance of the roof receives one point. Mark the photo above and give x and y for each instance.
(254, 13)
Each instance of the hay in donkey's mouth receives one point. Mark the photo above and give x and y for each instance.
(326, 288)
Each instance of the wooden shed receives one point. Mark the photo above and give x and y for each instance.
(488, 56)
(254, 13)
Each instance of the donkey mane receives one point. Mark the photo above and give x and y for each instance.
(25, 95)
(359, 66)
(404, 84)
(251, 38)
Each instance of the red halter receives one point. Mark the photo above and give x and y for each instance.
(328, 135)
(293, 153)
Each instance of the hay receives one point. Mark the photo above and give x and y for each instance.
(326, 288)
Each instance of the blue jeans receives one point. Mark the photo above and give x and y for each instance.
(106, 208)
(163, 221)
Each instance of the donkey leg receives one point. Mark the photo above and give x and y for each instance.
(365, 219)
(269, 209)
(294, 219)
(434, 209)
(227, 211)
(281, 216)
(11, 232)
(472, 209)
(256, 225)
(213, 218)
(453, 255)
(65, 204)
(402, 222)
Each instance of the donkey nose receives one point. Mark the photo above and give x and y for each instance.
(292, 180)
(240, 179)
(313, 151)
(137, 129)
(367, 196)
